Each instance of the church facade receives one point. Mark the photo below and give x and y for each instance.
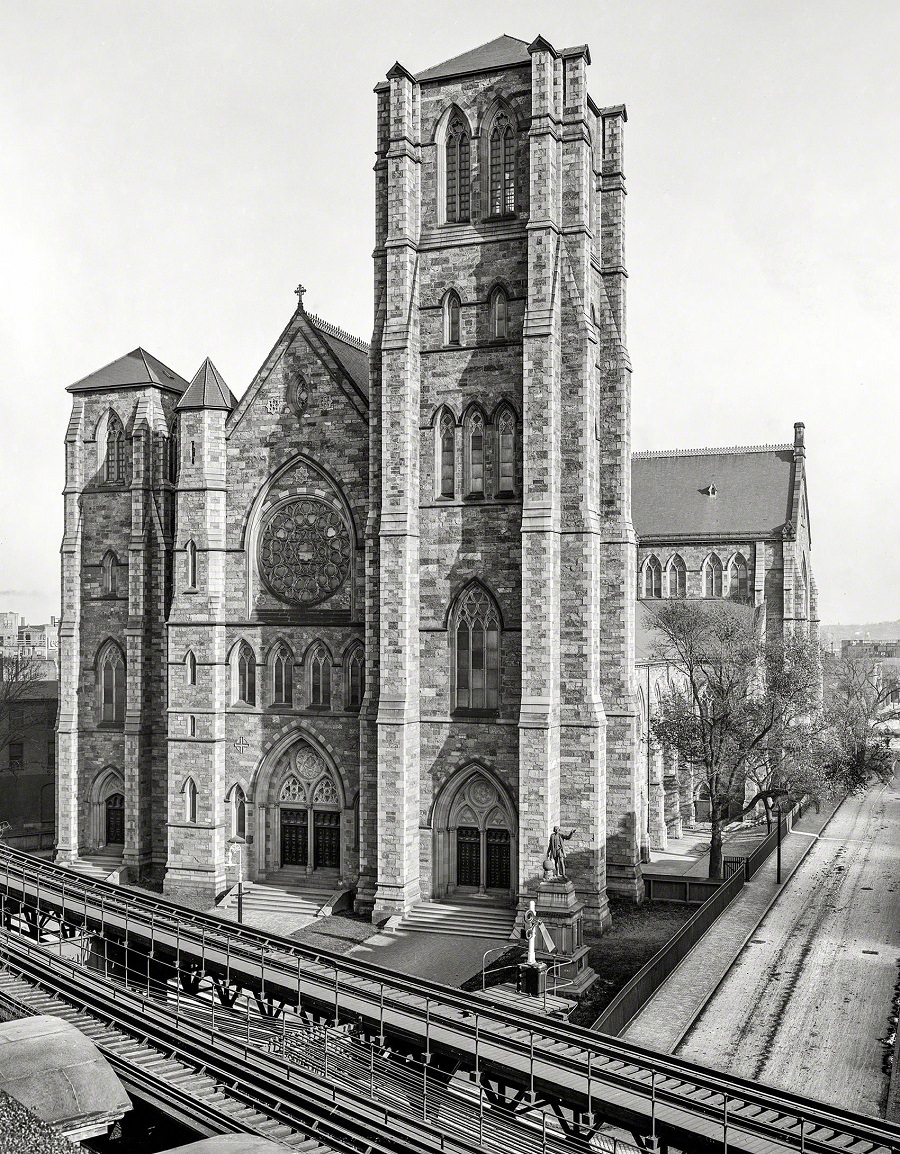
(375, 621)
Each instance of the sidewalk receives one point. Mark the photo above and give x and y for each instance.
(689, 854)
(663, 1021)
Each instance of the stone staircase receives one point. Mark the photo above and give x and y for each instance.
(288, 897)
(460, 919)
(97, 866)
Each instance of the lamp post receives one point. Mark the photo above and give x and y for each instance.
(234, 847)
(778, 848)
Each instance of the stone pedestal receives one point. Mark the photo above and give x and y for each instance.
(562, 915)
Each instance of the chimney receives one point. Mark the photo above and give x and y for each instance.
(799, 447)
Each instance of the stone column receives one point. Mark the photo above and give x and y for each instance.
(539, 710)
(398, 699)
(67, 753)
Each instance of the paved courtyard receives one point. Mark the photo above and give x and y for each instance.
(806, 1003)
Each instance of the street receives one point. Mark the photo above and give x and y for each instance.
(809, 997)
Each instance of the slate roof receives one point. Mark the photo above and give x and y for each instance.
(352, 352)
(753, 492)
(208, 391)
(135, 369)
(503, 52)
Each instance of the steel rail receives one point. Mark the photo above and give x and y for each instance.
(789, 1119)
(309, 1104)
(192, 1110)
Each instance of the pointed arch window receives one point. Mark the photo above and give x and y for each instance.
(190, 668)
(355, 677)
(502, 167)
(283, 677)
(652, 577)
(451, 319)
(476, 651)
(499, 315)
(474, 445)
(238, 806)
(677, 577)
(712, 576)
(457, 168)
(110, 574)
(447, 454)
(189, 790)
(320, 678)
(112, 686)
(738, 579)
(190, 551)
(115, 449)
(246, 675)
(506, 453)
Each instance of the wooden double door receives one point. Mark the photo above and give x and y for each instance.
(115, 819)
(322, 850)
(482, 858)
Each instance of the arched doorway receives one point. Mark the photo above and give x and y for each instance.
(475, 838)
(308, 814)
(114, 820)
(106, 813)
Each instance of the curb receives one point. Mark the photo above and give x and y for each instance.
(709, 997)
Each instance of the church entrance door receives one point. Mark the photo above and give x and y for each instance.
(294, 837)
(497, 859)
(468, 856)
(326, 840)
(115, 819)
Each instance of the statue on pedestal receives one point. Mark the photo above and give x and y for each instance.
(556, 854)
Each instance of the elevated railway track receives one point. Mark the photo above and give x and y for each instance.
(581, 1080)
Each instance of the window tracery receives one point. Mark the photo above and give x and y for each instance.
(475, 454)
(246, 675)
(283, 677)
(112, 685)
(506, 453)
(320, 678)
(738, 578)
(712, 576)
(501, 166)
(457, 172)
(476, 649)
(356, 677)
(304, 551)
(115, 449)
(652, 577)
(677, 577)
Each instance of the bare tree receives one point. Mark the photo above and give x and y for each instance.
(742, 707)
(20, 717)
(859, 693)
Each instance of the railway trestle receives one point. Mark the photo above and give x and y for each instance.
(566, 1080)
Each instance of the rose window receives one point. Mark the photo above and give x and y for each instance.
(304, 551)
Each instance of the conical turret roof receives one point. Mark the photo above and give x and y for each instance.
(208, 391)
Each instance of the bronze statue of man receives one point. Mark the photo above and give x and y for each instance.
(555, 851)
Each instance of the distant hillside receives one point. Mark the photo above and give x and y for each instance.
(875, 631)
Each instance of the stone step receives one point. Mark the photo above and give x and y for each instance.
(459, 920)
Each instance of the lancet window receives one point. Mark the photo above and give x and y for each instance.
(476, 650)
(457, 172)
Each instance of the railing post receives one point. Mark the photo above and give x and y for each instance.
(371, 1070)
(427, 1031)
(326, 1054)
(531, 1065)
(424, 1091)
(337, 1016)
(725, 1124)
(381, 1018)
(653, 1107)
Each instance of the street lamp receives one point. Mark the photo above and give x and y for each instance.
(234, 847)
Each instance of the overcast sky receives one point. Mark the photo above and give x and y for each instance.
(169, 171)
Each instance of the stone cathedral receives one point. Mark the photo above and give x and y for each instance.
(376, 619)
